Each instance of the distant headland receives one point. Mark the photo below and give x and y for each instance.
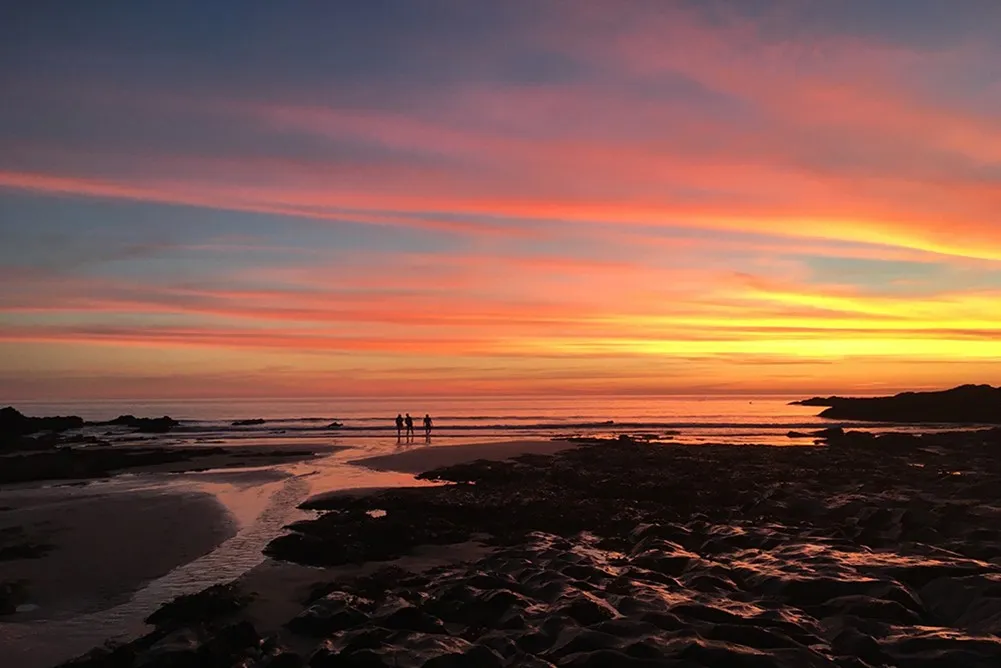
(970, 404)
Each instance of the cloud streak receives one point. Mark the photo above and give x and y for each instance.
(695, 188)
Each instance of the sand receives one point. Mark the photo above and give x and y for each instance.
(105, 545)
(428, 458)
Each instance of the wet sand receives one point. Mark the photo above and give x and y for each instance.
(102, 547)
(419, 460)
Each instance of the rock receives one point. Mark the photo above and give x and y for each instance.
(248, 423)
(410, 618)
(868, 607)
(586, 609)
(12, 594)
(144, 425)
(815, 401)
(609, 658)
(216, 601)
(476, 656)
(229, 642)
(974, 404)
(829, 434)
(972, 603)
(335, 425)
(176, 649)
(850, 642)
(285, 660)
(337, 611)
(14, 426)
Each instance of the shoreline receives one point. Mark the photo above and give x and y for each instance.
(104, 546)
(426, 458)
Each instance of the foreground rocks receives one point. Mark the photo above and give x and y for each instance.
(972, 404)
(196, 630)
(871, 551)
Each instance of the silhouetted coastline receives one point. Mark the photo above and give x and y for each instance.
(966, 404)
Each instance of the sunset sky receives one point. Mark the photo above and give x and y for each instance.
(215, 199)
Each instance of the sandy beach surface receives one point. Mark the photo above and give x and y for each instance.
(94, 551)
(100, 547)
(421, 459)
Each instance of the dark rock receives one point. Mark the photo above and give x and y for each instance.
(228, 643)
(851, 642)
(248, 423)
(868, 607)
(335, 425)
(334, 612)
(365, 658)
(216, 601)
(974, 404)
(609, 658)
(160, 425)
(410, 618)
(14, 426)
(285, 660)
(476, 656)
(751, 636)
(815, 401)
(583, 640)
(12, 594)
(586, 610)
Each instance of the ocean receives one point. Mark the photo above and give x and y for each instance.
(368, 422)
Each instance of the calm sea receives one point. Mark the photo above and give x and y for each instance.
(683, 419)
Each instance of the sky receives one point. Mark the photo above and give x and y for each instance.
(246, 198)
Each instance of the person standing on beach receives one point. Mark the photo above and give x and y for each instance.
(410, 427)
(399, 427)
(427, 427)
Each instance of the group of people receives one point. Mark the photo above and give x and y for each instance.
(408, 422)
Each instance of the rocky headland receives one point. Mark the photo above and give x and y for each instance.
(968, 404)
(864, 551)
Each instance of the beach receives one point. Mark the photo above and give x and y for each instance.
(101, 547)
(286, 542)
(855, 551)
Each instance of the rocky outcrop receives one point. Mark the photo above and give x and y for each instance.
(13, 423)
(970, 404)
(160, 425)
(248, 423)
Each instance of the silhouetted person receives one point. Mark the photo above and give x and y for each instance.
(427, 427)
(399, 427)
(410, 427)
